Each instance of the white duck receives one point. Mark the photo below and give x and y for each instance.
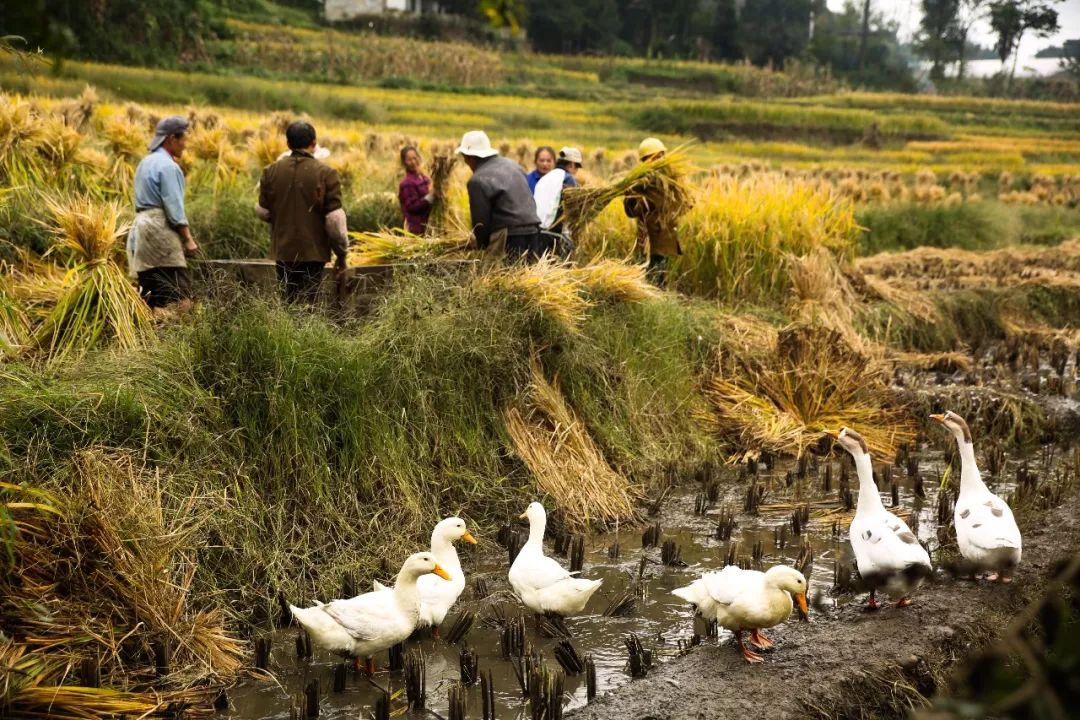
(541, 583)
(888, 554)
(986, 531)
(741, 600)
(361, 626)
(438, 596)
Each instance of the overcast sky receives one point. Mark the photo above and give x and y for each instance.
(907, 13)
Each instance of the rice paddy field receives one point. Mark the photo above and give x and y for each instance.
(169, 480)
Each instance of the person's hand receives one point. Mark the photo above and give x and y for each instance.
(429, 198)
(339, 267)
(190, 247)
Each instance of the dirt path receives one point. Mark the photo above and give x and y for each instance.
(846, 663)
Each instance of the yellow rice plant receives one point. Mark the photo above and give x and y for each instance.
(611, 234)
(739, 234)
(98, 305)
(59, 145)
(208, 142)
(128, 143)
(443, 162)
(567, 464)
(782, 402)
(21, 133)
(615, 280)
(552, 287)
(390, 247)
(266, 147)
(78, 112)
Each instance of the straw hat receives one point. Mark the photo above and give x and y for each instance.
(649, 147)
(476, 143)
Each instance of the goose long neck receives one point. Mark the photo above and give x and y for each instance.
(445, 553)
(869, 497)
(970, 480)
(537, 526)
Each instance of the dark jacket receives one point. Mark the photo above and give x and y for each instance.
(654, 236)
(299, 192)
(499, 198)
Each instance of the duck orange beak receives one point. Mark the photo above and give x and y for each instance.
(940, 418)
(833, 434)
(446, 576)
(804, 610)
(523, 516)
(467, 537)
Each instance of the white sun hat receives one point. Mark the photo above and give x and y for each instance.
(476, 143)
(571, 154)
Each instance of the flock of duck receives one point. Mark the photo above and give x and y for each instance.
(889, 558)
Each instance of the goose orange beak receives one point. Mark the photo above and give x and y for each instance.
(804, 610)
(467, 537)
(446, 576)
(940, 418)
(523, 516)
(833, 434)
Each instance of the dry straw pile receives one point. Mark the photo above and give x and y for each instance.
(69, 615)
(567, 464)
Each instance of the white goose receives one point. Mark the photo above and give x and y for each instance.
(361, 626)
(438, 596)
(741, 600)
(986, 531)
(541, 583)
(888, 554)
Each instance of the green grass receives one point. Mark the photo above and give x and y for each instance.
(708, 120)
(904, 226)
(338, 445)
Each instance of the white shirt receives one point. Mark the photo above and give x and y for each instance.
(548, 195)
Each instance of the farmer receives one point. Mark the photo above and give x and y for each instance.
(414, 192)
(657, 240)
(548, 193)
(301, 199)
(502, 208)
(544, 159)
(160, 235)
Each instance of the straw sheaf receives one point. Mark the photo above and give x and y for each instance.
(566, 462)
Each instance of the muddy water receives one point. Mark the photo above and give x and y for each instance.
(660, 619)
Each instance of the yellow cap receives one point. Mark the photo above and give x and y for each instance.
(649, 147)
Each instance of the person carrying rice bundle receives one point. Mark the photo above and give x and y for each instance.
(658, 238)
(160, 237)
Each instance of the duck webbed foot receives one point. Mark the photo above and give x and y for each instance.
(758, 640)
(749, 655)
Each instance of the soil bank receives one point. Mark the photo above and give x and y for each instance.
(847, 663)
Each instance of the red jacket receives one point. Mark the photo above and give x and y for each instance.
(414, 208)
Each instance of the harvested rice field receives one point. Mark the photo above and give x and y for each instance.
(171, 481)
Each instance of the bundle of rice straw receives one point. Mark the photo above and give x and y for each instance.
(553, 287)
(443, 162)
(98, 304)
(660, 181)
(388, 247)
(567, 464)
(616, 280)
(812, 381)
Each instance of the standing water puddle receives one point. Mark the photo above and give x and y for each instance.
(659, 619)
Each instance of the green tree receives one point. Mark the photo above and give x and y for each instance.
(775, 30)
(968, 13)
(1012, 19)
(937, 34)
